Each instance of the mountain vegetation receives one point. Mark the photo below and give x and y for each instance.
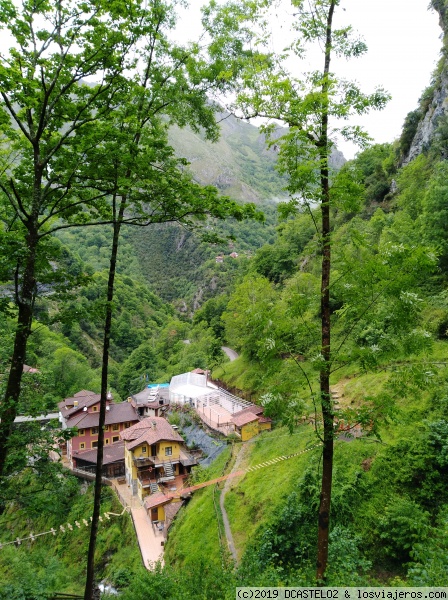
(336, 303)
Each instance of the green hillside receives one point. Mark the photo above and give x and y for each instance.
(356, 363)
(389, 503)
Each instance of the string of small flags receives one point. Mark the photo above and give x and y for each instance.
(65, 528)
(273, 461)
(69, 527)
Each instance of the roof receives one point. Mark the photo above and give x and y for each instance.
(150, 431)
(111, 453)
(187, 460)
(171, 510)
(83, 398)
(148, 396)
(265, 420)
(117, 413)
(253, 408)
(243, 419)
(156, 500)
(200, 371)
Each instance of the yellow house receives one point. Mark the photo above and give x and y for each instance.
(154, 454)
(250, 421)
(161, 508)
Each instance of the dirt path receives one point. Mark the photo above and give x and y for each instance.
(225, 518)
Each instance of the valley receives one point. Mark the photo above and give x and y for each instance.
(242, 335)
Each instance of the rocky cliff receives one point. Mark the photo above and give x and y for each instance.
(422, 125)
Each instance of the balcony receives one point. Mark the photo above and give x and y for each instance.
(155, 461)
(145, 461)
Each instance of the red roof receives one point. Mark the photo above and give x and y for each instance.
(253, 408)
(243, 419)
(150, 431)
(156, 499)
(265, 420)
(171, 510)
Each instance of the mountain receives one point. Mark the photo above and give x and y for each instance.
(240, 163)
(428, 122)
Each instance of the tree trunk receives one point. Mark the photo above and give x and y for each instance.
(325, 395)
(90, 576)
(25, 296)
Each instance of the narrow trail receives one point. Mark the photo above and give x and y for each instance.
(225, 518)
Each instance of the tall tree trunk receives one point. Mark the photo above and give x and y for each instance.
(25, 295)
(325, 395)
(90, 576)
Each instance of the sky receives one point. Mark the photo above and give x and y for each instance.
(404, 41)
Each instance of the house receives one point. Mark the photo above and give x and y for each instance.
(162, 509)
(155, 454)
(153, 401)
(113, 460)
(82, 411)
(250, 421)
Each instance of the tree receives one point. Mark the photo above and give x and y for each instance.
(58, 81)
(149, 185)
(311, 107)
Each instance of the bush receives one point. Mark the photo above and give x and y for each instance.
(402, 525)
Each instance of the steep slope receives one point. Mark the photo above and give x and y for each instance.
(424, 124)
(240, 163)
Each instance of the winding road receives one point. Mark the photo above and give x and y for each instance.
(230, 353)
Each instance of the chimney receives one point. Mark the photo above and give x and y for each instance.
(154, 424)
(109, 395)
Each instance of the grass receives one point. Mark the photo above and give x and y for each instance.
(251, 499)
(57, 563)
(197, 521)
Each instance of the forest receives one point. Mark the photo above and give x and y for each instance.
(145, 223)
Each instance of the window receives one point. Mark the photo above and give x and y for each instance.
(94, 444)
(144, 448)
(106, 441)
(94, 430)
(80, 431)
(106, 427)
(116, 438)
(82, 446)
(126, 425)
(95, 409)
(168, 451)
(116, 427)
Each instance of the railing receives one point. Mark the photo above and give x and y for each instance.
(143, 461)
(155, 461)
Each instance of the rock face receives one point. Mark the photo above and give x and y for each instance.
(437, 106)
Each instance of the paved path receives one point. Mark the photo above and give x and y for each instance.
(150, 539)
(230, 353)
(148, 536)
(225, 518)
